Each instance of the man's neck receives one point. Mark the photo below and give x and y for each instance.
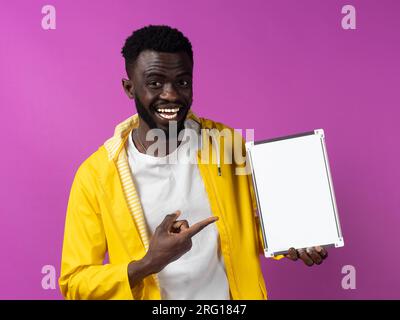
(169, 139)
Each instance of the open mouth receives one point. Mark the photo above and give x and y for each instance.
(169, 113)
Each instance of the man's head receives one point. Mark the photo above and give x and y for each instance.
(159, 65)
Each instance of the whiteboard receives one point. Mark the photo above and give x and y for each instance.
(294, 192)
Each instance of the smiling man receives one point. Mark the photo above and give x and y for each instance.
(181, 229)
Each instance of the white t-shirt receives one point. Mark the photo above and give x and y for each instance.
(164, 188)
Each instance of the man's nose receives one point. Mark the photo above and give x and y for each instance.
(169, 93)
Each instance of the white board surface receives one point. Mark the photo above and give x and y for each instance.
(294, 192)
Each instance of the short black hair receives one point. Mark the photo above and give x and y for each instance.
(159, 38)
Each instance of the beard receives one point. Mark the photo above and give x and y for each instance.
(144, 113)
(147, 117)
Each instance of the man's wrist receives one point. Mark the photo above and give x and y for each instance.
(140, 269)
(148, 264)
(151, 264)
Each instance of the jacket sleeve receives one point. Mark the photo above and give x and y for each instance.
(83, 274)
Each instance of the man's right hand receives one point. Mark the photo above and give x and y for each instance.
(172, 239)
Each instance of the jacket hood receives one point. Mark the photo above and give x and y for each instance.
(118, 141)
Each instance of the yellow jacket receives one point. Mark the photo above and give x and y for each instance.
(104, 215)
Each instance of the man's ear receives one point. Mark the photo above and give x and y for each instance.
(129, 89)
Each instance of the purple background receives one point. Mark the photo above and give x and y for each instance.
(280, 67)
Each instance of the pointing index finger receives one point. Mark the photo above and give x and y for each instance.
(197, 227)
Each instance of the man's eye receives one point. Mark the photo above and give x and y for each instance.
(155, 84)
(184, 83)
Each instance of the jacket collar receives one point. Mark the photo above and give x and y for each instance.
(115, 144)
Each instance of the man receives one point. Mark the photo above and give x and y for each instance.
(180, 230)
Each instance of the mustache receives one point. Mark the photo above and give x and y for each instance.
(168, 103)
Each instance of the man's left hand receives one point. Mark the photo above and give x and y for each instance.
(310, 256)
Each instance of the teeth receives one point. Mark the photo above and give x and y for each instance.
(168, 110)
(167, 116)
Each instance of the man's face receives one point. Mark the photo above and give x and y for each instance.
(161, 84)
